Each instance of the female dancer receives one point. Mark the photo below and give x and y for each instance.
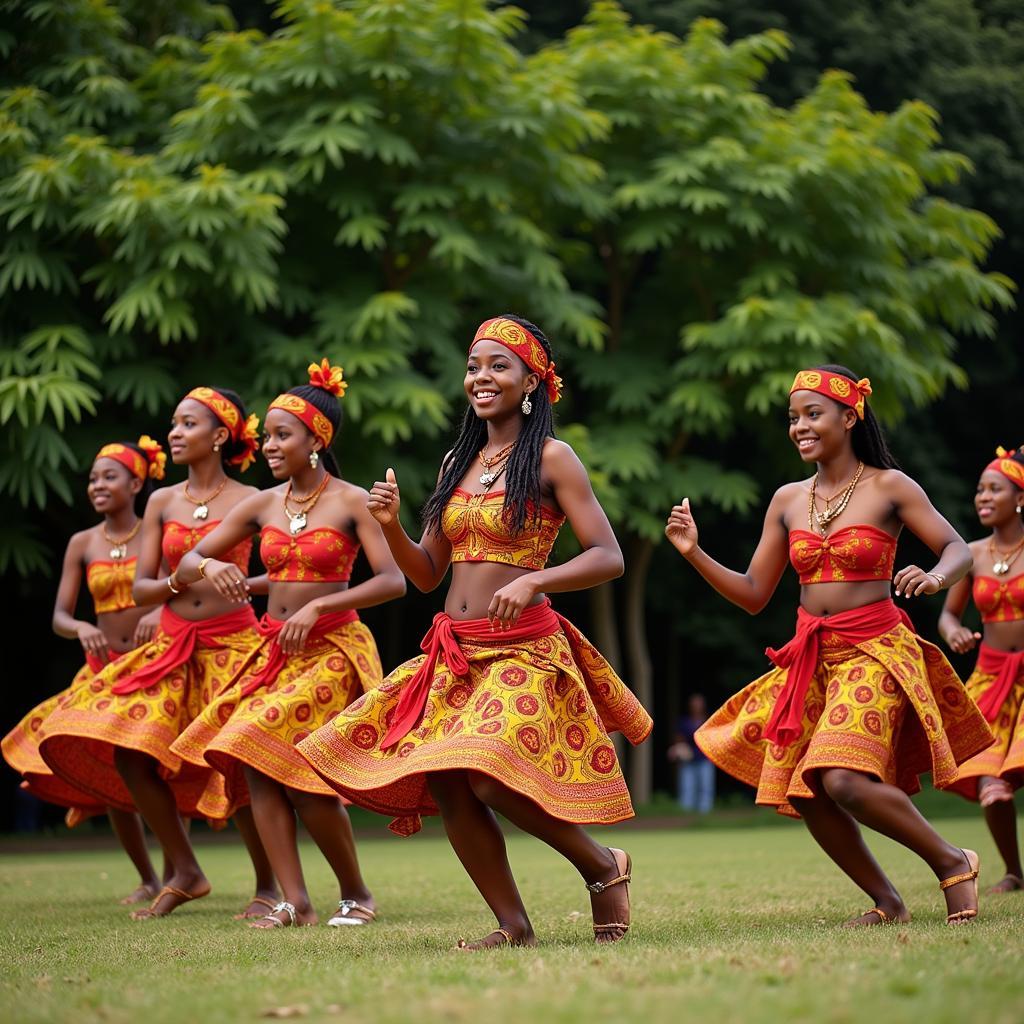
(858, 705)
(117, 735)
(316, 656)
(997, 683)
(120, 482)
(515, 719)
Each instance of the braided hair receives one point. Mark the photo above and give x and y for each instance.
(522, 471)
(869, 444)
(329, 405)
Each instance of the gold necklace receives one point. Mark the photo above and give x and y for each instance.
(826, 517)
(119, 548)
(297, 520)
(487, 477)
(201, 510)
(1001, 566)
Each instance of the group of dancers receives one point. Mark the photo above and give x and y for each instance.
(188, 706)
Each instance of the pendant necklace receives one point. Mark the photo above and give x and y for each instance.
(119, 548)
(488, 476)
(202, 505)
(830, 513)
(1001, 565)
(297, 520)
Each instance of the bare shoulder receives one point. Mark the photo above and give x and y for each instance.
(162, 496)
(352, 495)
(978, 547)
(895, 482)
(558, 456)
(240, 491)
(787, 492)
(78, 542)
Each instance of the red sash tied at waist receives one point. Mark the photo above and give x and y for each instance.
(1006, 667)
(277, 659)
(800, 657)
(442, 640)
(185, 635)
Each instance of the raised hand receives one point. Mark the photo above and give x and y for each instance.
(385, 499)
(681, 530)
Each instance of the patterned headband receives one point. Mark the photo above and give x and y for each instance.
(326, 377)
(1008, 466)
(148, 463)
(835, 386)
(519, 340)
(228, 413)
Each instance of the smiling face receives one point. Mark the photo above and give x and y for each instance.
(496, 380)
(112, 486)
(287, 443)
(996, 499)
(194, 431)
(819, 427)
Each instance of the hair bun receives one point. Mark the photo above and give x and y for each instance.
(155, 456)
(328, 378)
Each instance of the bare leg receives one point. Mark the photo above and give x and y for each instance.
(275, 821)
(327, 821)
(155, 802)
(596, 863)
(837, 834)
(1001, 818)
(480, 846)
(890, 811)
(266, 884)
(127, 826)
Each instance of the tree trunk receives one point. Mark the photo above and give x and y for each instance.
(640, 676)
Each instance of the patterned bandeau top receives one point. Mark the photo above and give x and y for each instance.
(999, 600)
(110, 584)
(179, 539)
(321, 554)
(478, 532)
(850, 555)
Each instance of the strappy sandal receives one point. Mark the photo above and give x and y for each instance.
(276, 922)
(611, 927)
(140, 894)
(967, 914)
(168, 890)
(345, 915)
(508, 937)
(263, 901)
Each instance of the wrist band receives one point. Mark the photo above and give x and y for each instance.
(939, 577)
(201, 568)
(170, 585)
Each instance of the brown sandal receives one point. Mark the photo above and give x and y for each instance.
(508, 937)
(244, 916)
(623, 878)
(967, 914)
(168, 890)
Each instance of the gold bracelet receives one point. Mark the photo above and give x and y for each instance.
(939, 577)
(201, 568)
(170, 585)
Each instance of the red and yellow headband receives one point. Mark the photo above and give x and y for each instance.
(148, 463)
(519, 340)
(1008, 466)
(835, 386)
(228, 413)
(326, 377)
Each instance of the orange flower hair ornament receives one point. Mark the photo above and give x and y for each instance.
(326, 377)
(330, 378)
(150, 464)
(1010, 468)
(228, 413)
(250, 439)
(835, 386)
(519, 340)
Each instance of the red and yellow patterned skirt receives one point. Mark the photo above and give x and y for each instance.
(258, 721)
(891, 707)
(1005, 758)
(79, 738)
(534, 714)
(21, 749)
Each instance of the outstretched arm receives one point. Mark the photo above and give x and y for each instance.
(751, 590)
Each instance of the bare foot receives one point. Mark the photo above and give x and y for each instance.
(181, 889)
(888, 912)
(286, 915)
(142, 893)
(500, 937)
(960, 888)
(1008, 883)
(258, 906)
(609, 899)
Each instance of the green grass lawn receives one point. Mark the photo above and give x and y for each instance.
(732, 925)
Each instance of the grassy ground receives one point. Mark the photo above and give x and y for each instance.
(739, 924)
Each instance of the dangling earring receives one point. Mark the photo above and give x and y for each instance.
(216, 446)
(314, 459)
(527, 405)
(1019, 510)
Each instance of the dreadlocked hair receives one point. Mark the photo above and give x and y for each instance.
(231, 448)
(869, 444)
(148, 484)
(522, 471)
(329, 405)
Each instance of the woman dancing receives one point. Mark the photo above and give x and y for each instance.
(510, 708)
(117, 735)
(857, 705)
(997, 683)
(316, 656)
(120, 482)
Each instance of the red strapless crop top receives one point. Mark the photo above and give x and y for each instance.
(850, 555)
(318, 555)
(179, 539)
(999, 600)
(110, 584)
(478, 532)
